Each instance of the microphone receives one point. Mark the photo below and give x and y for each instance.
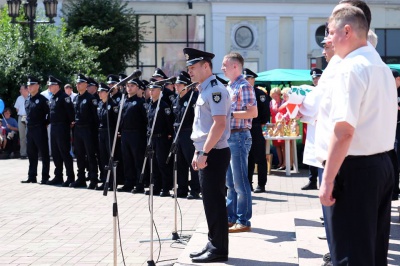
(190, 86)
(164, 81)
(137, 73)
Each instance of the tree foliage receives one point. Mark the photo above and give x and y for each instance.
(54, 51)
(123, 42)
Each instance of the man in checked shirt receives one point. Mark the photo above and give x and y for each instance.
(243, 110)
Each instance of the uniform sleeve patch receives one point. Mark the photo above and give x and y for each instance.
(67, 99)
(216, 96)
(94, 101)
(115, 108)
(262, 98)
(167, 111)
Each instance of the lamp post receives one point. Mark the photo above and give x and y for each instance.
(30, 12)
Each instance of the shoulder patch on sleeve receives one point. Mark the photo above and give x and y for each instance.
(216, 96)
(67, 99)
(167, 111)
(94, 101)
(262, 98)
(115, 108)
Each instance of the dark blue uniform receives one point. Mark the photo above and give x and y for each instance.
(86, 122)
(257, 151)
(133, 141)
(161, 143)
(118, 151)
(37, 111)
(185, 144)
(168, 96)
(62, 114)
(108, 115)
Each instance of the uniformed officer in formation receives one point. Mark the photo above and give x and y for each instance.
(62, 116)
(107, 111)
(37, 120)
(185, 147)
(161, 140)
(168, 93)
(257, 151)
(116, 94)
(92, 88)
(133, 137)
(86, 123)
(211, 130)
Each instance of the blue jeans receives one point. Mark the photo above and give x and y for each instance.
(238, 201)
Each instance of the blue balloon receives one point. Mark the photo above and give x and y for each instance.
(1, 106)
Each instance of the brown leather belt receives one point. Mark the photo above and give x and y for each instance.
(239, 130)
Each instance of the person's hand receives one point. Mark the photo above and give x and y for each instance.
(201, 162)
(325, 193)
(194, 162)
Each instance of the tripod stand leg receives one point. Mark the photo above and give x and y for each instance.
(115, 213)
(175, 235)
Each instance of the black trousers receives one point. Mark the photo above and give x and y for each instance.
(184, 164)
(257, 156)
(360, 218)
(60, 146)
(212, 182)
(162, 172)
(105, 146)
(85, 146)
(133, 144)
(37, 141)
(312, 174)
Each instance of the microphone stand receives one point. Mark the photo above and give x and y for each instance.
(150, 154)
(173, 150)
(113, 164)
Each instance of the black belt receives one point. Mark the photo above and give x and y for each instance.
(185, 129)
(239, 130)
(106, 129)
(157, 135)
(357, 157)
(59, 123)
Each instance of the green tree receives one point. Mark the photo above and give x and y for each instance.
(54, 51)
(123, 42)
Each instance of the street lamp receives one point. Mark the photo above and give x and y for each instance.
(30, 12)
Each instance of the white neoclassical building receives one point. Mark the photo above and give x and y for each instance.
(269, 34)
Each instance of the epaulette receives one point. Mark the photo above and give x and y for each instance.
(214, 82)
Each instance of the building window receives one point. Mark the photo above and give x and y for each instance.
(163, 45)
(388, 45)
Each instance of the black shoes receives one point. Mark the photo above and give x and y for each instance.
(92, 185)
(137, 190)
(193, 195)
(78, 183)
(124, 189)
(198, 253)
(165, 193)
(155, 192)
(55, 182)
(180, 195)
(210, 257)
(259, 189)
(30, 180)
(44, 181)
(66, 183)
(310, 186)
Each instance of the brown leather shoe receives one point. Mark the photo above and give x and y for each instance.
(238, 228)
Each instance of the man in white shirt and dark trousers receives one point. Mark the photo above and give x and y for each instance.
(356, 127)
(20, 107)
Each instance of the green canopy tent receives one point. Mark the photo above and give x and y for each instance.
(284, 77)
(395, 66)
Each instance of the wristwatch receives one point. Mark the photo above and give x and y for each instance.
(202, 153)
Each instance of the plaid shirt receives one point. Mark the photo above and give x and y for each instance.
(242, 96)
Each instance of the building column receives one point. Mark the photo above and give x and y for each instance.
(218, 41)
(300, 42)
(272, 43)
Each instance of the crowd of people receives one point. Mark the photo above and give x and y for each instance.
(215, 130)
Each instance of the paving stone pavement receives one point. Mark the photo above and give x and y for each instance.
(50, 225)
